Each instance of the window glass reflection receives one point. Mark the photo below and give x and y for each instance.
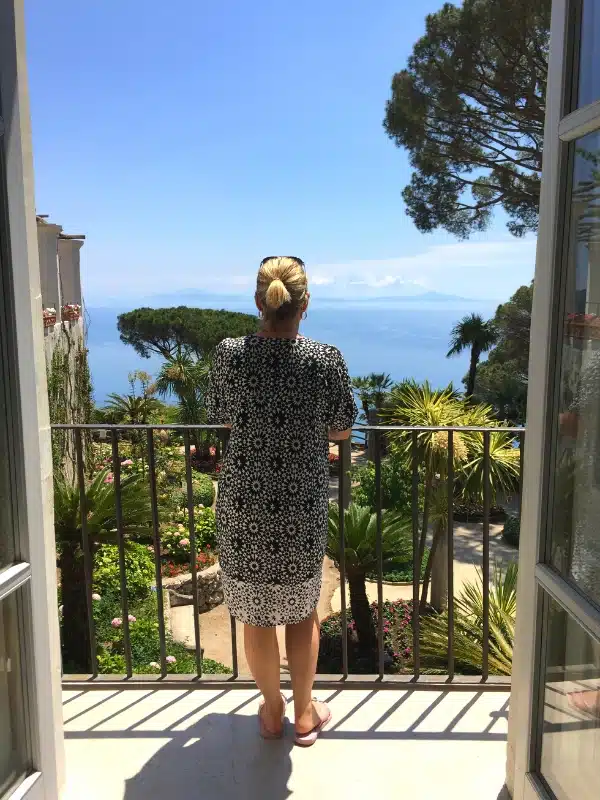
(571, 724)
(13, 751)
(575, 544)
(589, 54)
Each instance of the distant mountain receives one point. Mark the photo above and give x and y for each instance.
(195, 297)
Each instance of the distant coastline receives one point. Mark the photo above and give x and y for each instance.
(404, 339)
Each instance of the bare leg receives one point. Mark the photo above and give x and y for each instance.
(262, 654)
(302, 646)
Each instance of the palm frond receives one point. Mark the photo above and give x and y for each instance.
(360, 535)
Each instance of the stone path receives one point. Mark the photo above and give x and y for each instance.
(215, 626)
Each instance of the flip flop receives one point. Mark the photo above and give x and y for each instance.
(308, 739)
(264, 731)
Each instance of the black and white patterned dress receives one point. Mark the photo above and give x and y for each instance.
(280, 396)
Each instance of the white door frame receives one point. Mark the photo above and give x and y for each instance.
(535, 578)
(30, 424)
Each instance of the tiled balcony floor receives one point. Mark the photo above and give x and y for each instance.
(177, 744)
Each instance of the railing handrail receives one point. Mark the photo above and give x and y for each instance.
(205, 427)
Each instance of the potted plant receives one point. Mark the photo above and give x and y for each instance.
(583, 326)
(71, 312)
(49, 317)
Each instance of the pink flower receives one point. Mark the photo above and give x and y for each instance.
(132, 618)
(110, 478)
(117, 622)
(184, 543)
(171, 660)
(212, 451)
(127, 463)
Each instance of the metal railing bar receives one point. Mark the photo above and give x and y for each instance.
(357, 428)
(157, 552)
(116, 468)
(379, 553)
(486, 557)
(364, 682)
(342, 523)
(416, 621)
(88, 566)
(224, 438)
(193, 562)
(450, 554)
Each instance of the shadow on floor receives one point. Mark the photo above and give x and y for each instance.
(203, 762)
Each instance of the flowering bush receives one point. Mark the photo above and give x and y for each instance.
(175, 541)
(397, 638)
(170, 569)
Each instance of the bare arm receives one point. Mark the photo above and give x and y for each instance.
(340, 436)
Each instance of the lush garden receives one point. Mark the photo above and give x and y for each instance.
(146, 559)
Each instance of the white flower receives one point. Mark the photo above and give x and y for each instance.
(154, 665)
(96, 596)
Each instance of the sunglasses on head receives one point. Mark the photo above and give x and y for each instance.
(294, 258)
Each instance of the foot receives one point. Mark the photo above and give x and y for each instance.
(315, 714)
(272, 717)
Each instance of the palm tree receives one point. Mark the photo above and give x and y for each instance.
(421, 406)
(360, 534)
(101, 527)
(380, 384)
(362, 387)
(468, 627)
(187, 379)
(475, 333)
(130, 409)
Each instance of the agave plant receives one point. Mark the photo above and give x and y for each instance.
(101, 525)
(468, 627)
(360, 536)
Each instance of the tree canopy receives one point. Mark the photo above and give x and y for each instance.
(502, 380)
(172, 332)
(469, 108)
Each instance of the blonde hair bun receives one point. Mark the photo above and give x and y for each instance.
(277, 295)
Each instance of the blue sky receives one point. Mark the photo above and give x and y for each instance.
(187, 140)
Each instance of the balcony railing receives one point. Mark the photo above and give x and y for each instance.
(418, 677)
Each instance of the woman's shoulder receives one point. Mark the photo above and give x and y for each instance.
(328, 352)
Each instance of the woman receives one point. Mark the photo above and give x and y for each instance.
(284, 396)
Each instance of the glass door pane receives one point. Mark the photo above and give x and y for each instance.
(589, 54)
(14, 761)
(571, 711)
(575, 534)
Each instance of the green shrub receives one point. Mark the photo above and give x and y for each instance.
(203, 492)
(512, 530)
(396, 485)
(139, 570)
(401, 571)
(175, 541)
(144, 639)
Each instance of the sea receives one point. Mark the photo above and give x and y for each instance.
(403, 338)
